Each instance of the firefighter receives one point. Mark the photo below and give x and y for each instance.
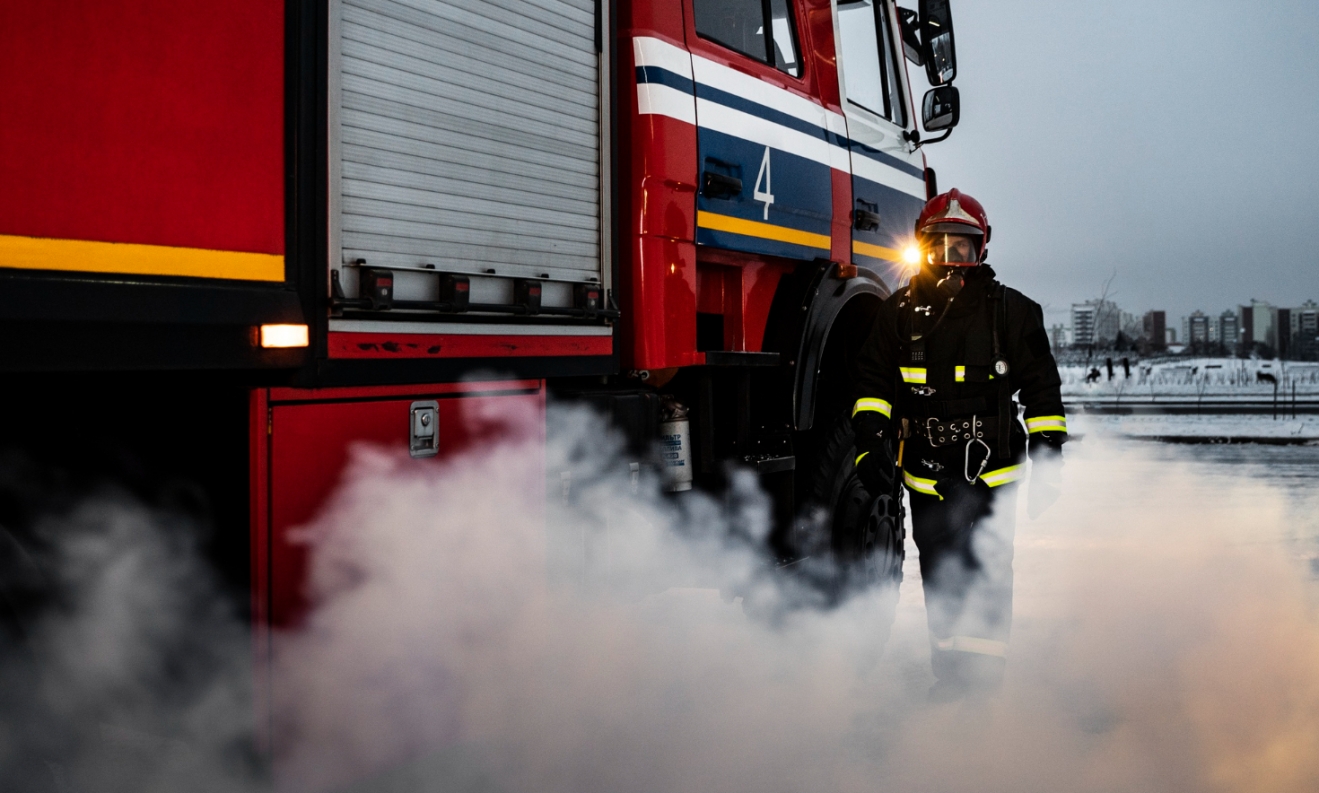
(936, 380)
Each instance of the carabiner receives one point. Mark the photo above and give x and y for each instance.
(966, 462)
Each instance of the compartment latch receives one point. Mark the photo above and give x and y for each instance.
(424, 437)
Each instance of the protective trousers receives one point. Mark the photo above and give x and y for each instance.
(965, 543)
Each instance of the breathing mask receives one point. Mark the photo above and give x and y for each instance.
(952, 250)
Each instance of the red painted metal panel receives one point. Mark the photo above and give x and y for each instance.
(658, 211)
(740, 288)
(820, 55)
(661, 297)
(309, 449)
(305, 439)
(647, 18)
(417, 345)
(145, 121)
(760, 280)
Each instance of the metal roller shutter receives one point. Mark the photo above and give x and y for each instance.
(469, 136)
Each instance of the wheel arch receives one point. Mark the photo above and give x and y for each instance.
(823, 372)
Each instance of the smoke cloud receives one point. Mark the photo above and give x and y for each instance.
(136, 674)
(465, 637)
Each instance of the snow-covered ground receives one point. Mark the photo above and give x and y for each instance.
(1192, 378)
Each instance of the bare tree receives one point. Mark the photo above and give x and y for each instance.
(1107, 316)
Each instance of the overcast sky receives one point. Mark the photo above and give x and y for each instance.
(1174, 142)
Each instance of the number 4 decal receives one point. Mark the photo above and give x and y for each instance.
(767, 194)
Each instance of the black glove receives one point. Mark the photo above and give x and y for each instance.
(874, 466)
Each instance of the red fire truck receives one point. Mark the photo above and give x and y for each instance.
(236, 238)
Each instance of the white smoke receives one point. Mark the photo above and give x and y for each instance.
(463, 637)
(137, 676)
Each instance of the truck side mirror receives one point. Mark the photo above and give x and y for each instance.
(941, 108)
(937, 39)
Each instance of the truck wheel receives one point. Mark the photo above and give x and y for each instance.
(864, 531)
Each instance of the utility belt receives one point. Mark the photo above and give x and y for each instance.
(974, 432)
(944, 432)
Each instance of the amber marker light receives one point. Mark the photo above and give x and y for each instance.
(284, 336)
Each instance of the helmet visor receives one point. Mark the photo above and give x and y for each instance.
(952, 249)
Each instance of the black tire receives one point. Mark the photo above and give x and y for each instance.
(862, 533)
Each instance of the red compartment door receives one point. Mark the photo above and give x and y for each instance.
(302, 441)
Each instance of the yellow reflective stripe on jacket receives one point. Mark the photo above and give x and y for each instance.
(959, 374)
(1002, 476)
(1047, 424)
(972, 644)
(880, 406)
(925, 486)
(858, 458)
(912, 374)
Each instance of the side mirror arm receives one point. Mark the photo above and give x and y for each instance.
(913, 136)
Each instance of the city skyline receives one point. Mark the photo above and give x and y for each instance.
(1256, 328)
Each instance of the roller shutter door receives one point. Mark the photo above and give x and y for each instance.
(469, 136)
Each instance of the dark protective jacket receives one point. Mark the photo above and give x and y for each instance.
(931, 361)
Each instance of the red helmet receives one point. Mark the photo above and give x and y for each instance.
(952, 213)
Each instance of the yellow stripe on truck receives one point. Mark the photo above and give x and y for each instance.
(1046, 424)
(876, 251)
(880, 406)
(127, 258)
(765, 231)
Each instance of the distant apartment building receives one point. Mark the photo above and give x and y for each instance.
(1229, 330)
(1060, 337)
(1155, 325)
(1095, 322)
(1305, 321)
(1195, 330)
(1297, 331)
(1083, 324)
(1259, 325)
